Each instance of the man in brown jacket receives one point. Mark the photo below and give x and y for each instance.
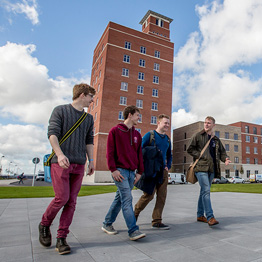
(207, 167)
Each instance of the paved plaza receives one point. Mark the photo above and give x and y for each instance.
(238, 237)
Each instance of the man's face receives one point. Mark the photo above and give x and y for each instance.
(208, 125)
(163, 124)
(88, 99)
(135, 117)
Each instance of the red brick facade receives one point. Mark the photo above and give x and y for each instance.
(122, 50)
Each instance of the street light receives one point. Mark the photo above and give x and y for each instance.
(9, 169)
(1, 164)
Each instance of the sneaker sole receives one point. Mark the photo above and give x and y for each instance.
(108, 232)
(64, 252)
(161, 228)
(137, 237)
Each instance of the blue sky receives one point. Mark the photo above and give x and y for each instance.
(46, 46)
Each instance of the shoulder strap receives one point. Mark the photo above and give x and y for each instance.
(203, 150)
(152, 137)
(67, 135)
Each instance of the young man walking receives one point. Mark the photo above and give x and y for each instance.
(124, 157)
(162, 142)
(207, 167)
(68, 163)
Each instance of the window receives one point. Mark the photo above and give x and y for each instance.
(184, 159)
(154, 106)
(184, 135)
(217, 134)
(236, 159)
(255, 161)
(248, 160)
(125, 72)
(226, 135)
(155, 92)
(140, 118)
(156, 67)
(127, 45)
(126, 59)
(184, 147)
(142, 49)
(140, 89)
(141, 76)
(247, 149)
(101, 60)
(124, 86)
(97, 102)
(120, 115)
(255, 150)
(139, 103)
(227, 147)
(254, 130)
(235, 148)
(95, 116)
(156, 79)
(98, 88)
(255, 139)
(247, 138)
(157, 54)
(247, 129)
(122, 101)
(159, 22)
(153, 120)
(99, 73)
(142, 62)
(235, 136)
(248, 173)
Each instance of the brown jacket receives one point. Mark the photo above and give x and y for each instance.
(205, 163)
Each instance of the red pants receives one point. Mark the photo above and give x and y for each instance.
(66, 185)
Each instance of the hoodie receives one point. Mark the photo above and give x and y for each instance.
(124, 149)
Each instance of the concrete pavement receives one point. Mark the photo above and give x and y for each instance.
(238, 237)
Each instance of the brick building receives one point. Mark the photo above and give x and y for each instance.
(251, 136)
(230, 137)
(130, 68)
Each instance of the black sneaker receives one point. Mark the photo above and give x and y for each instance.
(160, 226)
(62, 247)
(45, 237)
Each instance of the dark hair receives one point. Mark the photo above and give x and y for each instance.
(82, 88)
(130, 109)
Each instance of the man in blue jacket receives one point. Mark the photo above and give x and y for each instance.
(162, 142)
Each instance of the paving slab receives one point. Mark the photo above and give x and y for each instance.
(238, 237)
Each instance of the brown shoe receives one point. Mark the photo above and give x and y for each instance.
(202, 219)
(212, 221)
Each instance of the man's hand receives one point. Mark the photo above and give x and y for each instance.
(227, 161)
(117, 176)
(138, 176)
(63, 161)
(91, 169)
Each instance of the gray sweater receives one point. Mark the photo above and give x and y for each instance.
(62, 119)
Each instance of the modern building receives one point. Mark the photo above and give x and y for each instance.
(130, 67)
(230, 137)
(251, 136)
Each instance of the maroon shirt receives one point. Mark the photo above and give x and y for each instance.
(124, 149)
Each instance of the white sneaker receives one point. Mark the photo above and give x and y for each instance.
(109, 229)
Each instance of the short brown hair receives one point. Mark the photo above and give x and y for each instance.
(161, 116)
(211, 118)
(130, 109)
(82, 88)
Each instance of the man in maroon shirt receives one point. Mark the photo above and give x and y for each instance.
(124, 158)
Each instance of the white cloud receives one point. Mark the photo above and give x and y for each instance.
(27, 7)
(28, 95)
(207, 81)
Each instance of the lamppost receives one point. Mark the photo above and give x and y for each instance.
(1, 164)
(9, 169)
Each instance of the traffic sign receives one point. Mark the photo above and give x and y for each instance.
(36, 160)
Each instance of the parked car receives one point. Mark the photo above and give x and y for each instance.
(40, 176)
(178, 178)
(236, 179)
(223, 180)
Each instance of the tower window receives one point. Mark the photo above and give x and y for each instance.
(127, 45)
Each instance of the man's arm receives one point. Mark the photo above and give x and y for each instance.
(192, 148)
(89, 151)
(62, 160)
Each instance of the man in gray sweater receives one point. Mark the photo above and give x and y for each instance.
(68, 163)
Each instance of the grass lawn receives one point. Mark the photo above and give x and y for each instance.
(240, 188)
(47, 191)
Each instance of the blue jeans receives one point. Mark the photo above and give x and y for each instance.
(204, 202)
(123, 199)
